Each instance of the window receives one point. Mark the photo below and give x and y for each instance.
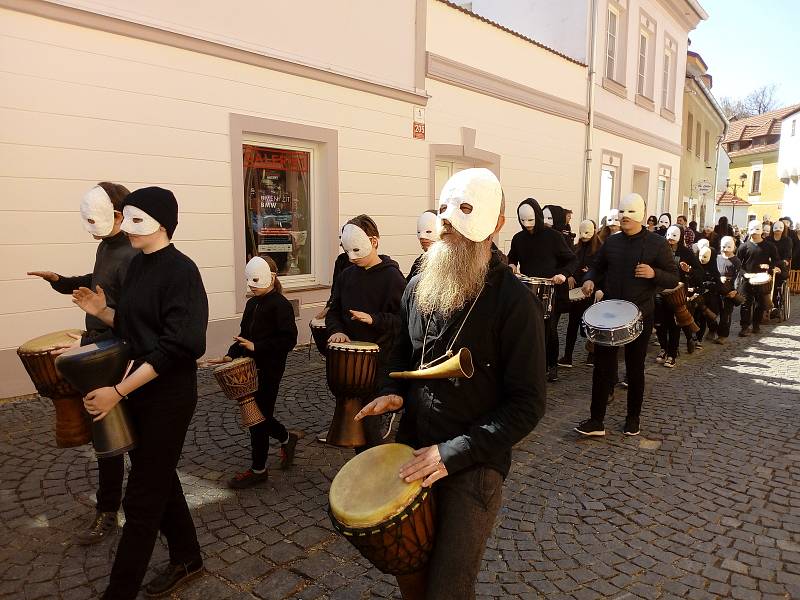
(707, 147)
(794, 126)
(665, 80)
(661, 193)
(277, 205)
(689, 131)
(641, 86)
(608, 176)
(697, 140)
(611, 44)
(756, 182)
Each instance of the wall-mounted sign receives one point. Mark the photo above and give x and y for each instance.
(704, 186)
(418, 126)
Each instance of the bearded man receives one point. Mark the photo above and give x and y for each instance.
(463, 429)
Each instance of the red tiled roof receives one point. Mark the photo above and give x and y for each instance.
(768, 123)
(511, 31)
(728, 199)
(755, 150)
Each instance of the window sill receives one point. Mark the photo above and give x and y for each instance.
(615, 87)
(751, 194)
(305, 287)
(668, 114)
(645, 103)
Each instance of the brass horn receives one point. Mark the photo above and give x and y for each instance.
(457, 366)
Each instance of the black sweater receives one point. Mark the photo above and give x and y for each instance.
(341, 263)
(268, 322)
(754, 255)
(111, 263)
(474, 421)
(615, 264)
(163, 311)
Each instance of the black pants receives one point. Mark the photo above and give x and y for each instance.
(754, 306)
(266, 398)
(110, 472)
(551, 338)
(576, 310)
(667, 329)
(467, 503)
(725, 314)
(160, 413)
(605, 368)
(712, 303)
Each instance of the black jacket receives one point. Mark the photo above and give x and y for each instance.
(111, 263)
(783, 248)
(268, 322)
(474, 421)
(754, 255)
(341, 263)
(615, 264)
(683, 254)
(583, 252)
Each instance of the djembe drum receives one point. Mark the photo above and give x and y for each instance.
(676, 298)
(239, 380)
(72, 421)
(319, 333)
(350, 368)
(389, 521)
(100, 365)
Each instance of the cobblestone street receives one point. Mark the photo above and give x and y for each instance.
(704, 504)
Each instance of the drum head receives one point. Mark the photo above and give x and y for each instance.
(46, 342)
(536, 280)
(759, 279)
(611, 313)
(317, 324)
(234, 364)
(367, 490)
(354, 346)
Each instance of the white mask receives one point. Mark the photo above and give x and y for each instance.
(355, 242)
(632, 207)
(138, 222)
(778, 226)
(586, 230)
(705, 255)
(97, 206)
(258, 273)
(527, 215)
(755, 228)
(547, 217)
(674, 233)
(481, 190)
(663, 221)
(702, 244)
(428, 227)
(613, 218)
(728, 245)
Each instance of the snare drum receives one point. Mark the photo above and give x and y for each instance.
(72, 421)
(612, 322)
(389, 521)
(319, 333)
(239, 380)
(542, 288)
(350, 369)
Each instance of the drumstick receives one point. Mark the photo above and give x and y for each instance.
(127, 371)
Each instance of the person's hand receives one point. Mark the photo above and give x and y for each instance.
(644, 271)
(246, 344)
(380, 405)
(59, 349)
(426, 465)
(46, 275)
(685, 267)
(776, 270)
(571, 283)
(338, 338)
(514, 269)
(559, 279)
(92, 303)
(100, 402)
(322, 313)
(210, 362)
(598, 295)
(362, 317)
(731, 294)
(588, 288)
(585, 270)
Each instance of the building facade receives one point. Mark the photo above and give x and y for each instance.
(789, 164)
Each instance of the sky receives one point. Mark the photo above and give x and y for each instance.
(750, 43)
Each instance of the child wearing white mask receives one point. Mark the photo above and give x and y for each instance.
(756, 256)
(267, 334)
(728, 267)
(427, 233)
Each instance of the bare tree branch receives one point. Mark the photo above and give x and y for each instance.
(761, 100)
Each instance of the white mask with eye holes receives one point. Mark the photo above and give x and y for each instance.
(96, 207)
(673, 233)
(778, 226)
(470, 202)
(547, 217)
(586, 230)
(258, 273)
(613, 218)
(632, 207)
(137, 222)
(527, 216)
(702, 244)
(755, 228)
(727, 245)
(663, 221)
(428, 227)
(356, 242)
(705, 255)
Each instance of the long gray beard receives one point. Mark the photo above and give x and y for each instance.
(451, 274)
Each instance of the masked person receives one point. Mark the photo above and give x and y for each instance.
(652, 223)
(541, 251)
(610, 225)
(464, 430)
(707, 302)
(101, 215)
(427, 233)
(162, 312)
(728, 266)
(556, 217)
(366, 300)
(756, 256)
(783, 248)
(630, 266)
(664, 222)
(585, 250)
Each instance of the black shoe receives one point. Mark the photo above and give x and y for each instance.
(744, 332)
(565, 361)
(623, 383)
(247, 479)
(698, 344)
(287, 451)
(590, 359)
(669, 362)
(171, 577)
(103, 524)
(720, 340)
(631, 426)
(552, 374)
(690, 345)
(590, 427)
(756, 328)
(662, 354)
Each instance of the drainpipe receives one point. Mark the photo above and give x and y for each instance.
(587, 165)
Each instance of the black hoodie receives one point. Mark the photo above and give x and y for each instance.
(559, 219)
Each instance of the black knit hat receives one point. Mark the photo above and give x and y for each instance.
(158, 203)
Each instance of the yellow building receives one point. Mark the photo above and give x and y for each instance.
(752, 145)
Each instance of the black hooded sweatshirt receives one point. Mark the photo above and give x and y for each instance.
(560, 221)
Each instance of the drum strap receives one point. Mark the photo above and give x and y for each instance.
(449, 352)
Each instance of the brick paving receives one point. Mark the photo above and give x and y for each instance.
(705, 504)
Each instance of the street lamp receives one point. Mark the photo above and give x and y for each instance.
(742, 179)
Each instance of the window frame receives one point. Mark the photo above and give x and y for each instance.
(698, 136)
(755, 182)
(641, 63)
(689, 130)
